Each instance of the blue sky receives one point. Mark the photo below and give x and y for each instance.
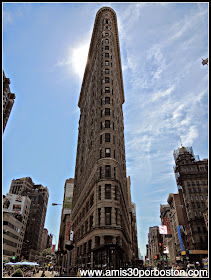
(45, 47)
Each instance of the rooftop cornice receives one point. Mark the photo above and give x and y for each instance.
(98, 15)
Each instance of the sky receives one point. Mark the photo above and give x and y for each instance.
(45, 48)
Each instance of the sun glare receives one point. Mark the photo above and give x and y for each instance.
(79, 59)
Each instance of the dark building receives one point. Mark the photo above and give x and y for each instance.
(35, 224)
(192, 178)
(8, 100)
(100, 213)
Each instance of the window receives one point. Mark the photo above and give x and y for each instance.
(106, 34)
(107, 111)
(107, 191)
(108, 215)
(107, 124)
(107, 80)
(191, 198)
(201, 197)
(107, 171)
(100, 153)
(100, 172)
(116, 215)
(115, 172)
(91, 222)
(106, 41)
(107, 137)
(99, 216)
(86, 226)
(107, 89)
(101, 125)
(107, 152)
(106, 48)
(106, 21)
(114, 154)
(107, 71)
(101, 139)
(99, 192)
(106, 62)
(196, 198)
(107, 100)
(116, 193)
(106, 54)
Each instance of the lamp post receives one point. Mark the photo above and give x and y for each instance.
(55, 204)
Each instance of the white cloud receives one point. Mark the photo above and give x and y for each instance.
(7, 18)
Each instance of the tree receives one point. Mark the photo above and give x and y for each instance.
(18, 273)
(46, 252)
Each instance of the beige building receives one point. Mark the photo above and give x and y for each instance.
(153, 246)
(64, 258)
(11, 236)
(18, 208)
(165, 216)
(192, 179)
(44, 239)
(38, 195)
(179, 226)
(100, 213)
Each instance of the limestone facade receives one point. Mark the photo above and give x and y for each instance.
(100, 214)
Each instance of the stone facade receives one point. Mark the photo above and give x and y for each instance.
(12, 240)
(64, 255)
(192, 179)
(153, 245)
(44, 239)
(35, 224)
(177, 218)
(100, 215)
(18, 207)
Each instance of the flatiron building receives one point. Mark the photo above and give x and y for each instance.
(100, 215)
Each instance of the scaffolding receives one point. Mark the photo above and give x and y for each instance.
(189, 150)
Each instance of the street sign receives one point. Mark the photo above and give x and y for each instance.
(71, 235)
(163, 229)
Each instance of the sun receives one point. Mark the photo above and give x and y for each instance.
(79, 59)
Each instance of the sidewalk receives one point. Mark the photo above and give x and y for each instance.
(47, 274)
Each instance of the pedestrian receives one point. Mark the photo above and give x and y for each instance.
(71, 273)
(79, 273)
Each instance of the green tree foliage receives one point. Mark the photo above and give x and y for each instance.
(46, 252)
(18, 273)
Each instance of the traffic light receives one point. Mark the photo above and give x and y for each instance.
(160, 248)
(69, 247)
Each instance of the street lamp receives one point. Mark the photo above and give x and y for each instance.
(54, 204)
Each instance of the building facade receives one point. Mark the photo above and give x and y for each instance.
(153, 246)
(35, 224)
(192, 178)
(64, 259)
(100, 216)
(8, 100)
(179, 225)
(44, 239)
(18, 207)
(12, 240)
